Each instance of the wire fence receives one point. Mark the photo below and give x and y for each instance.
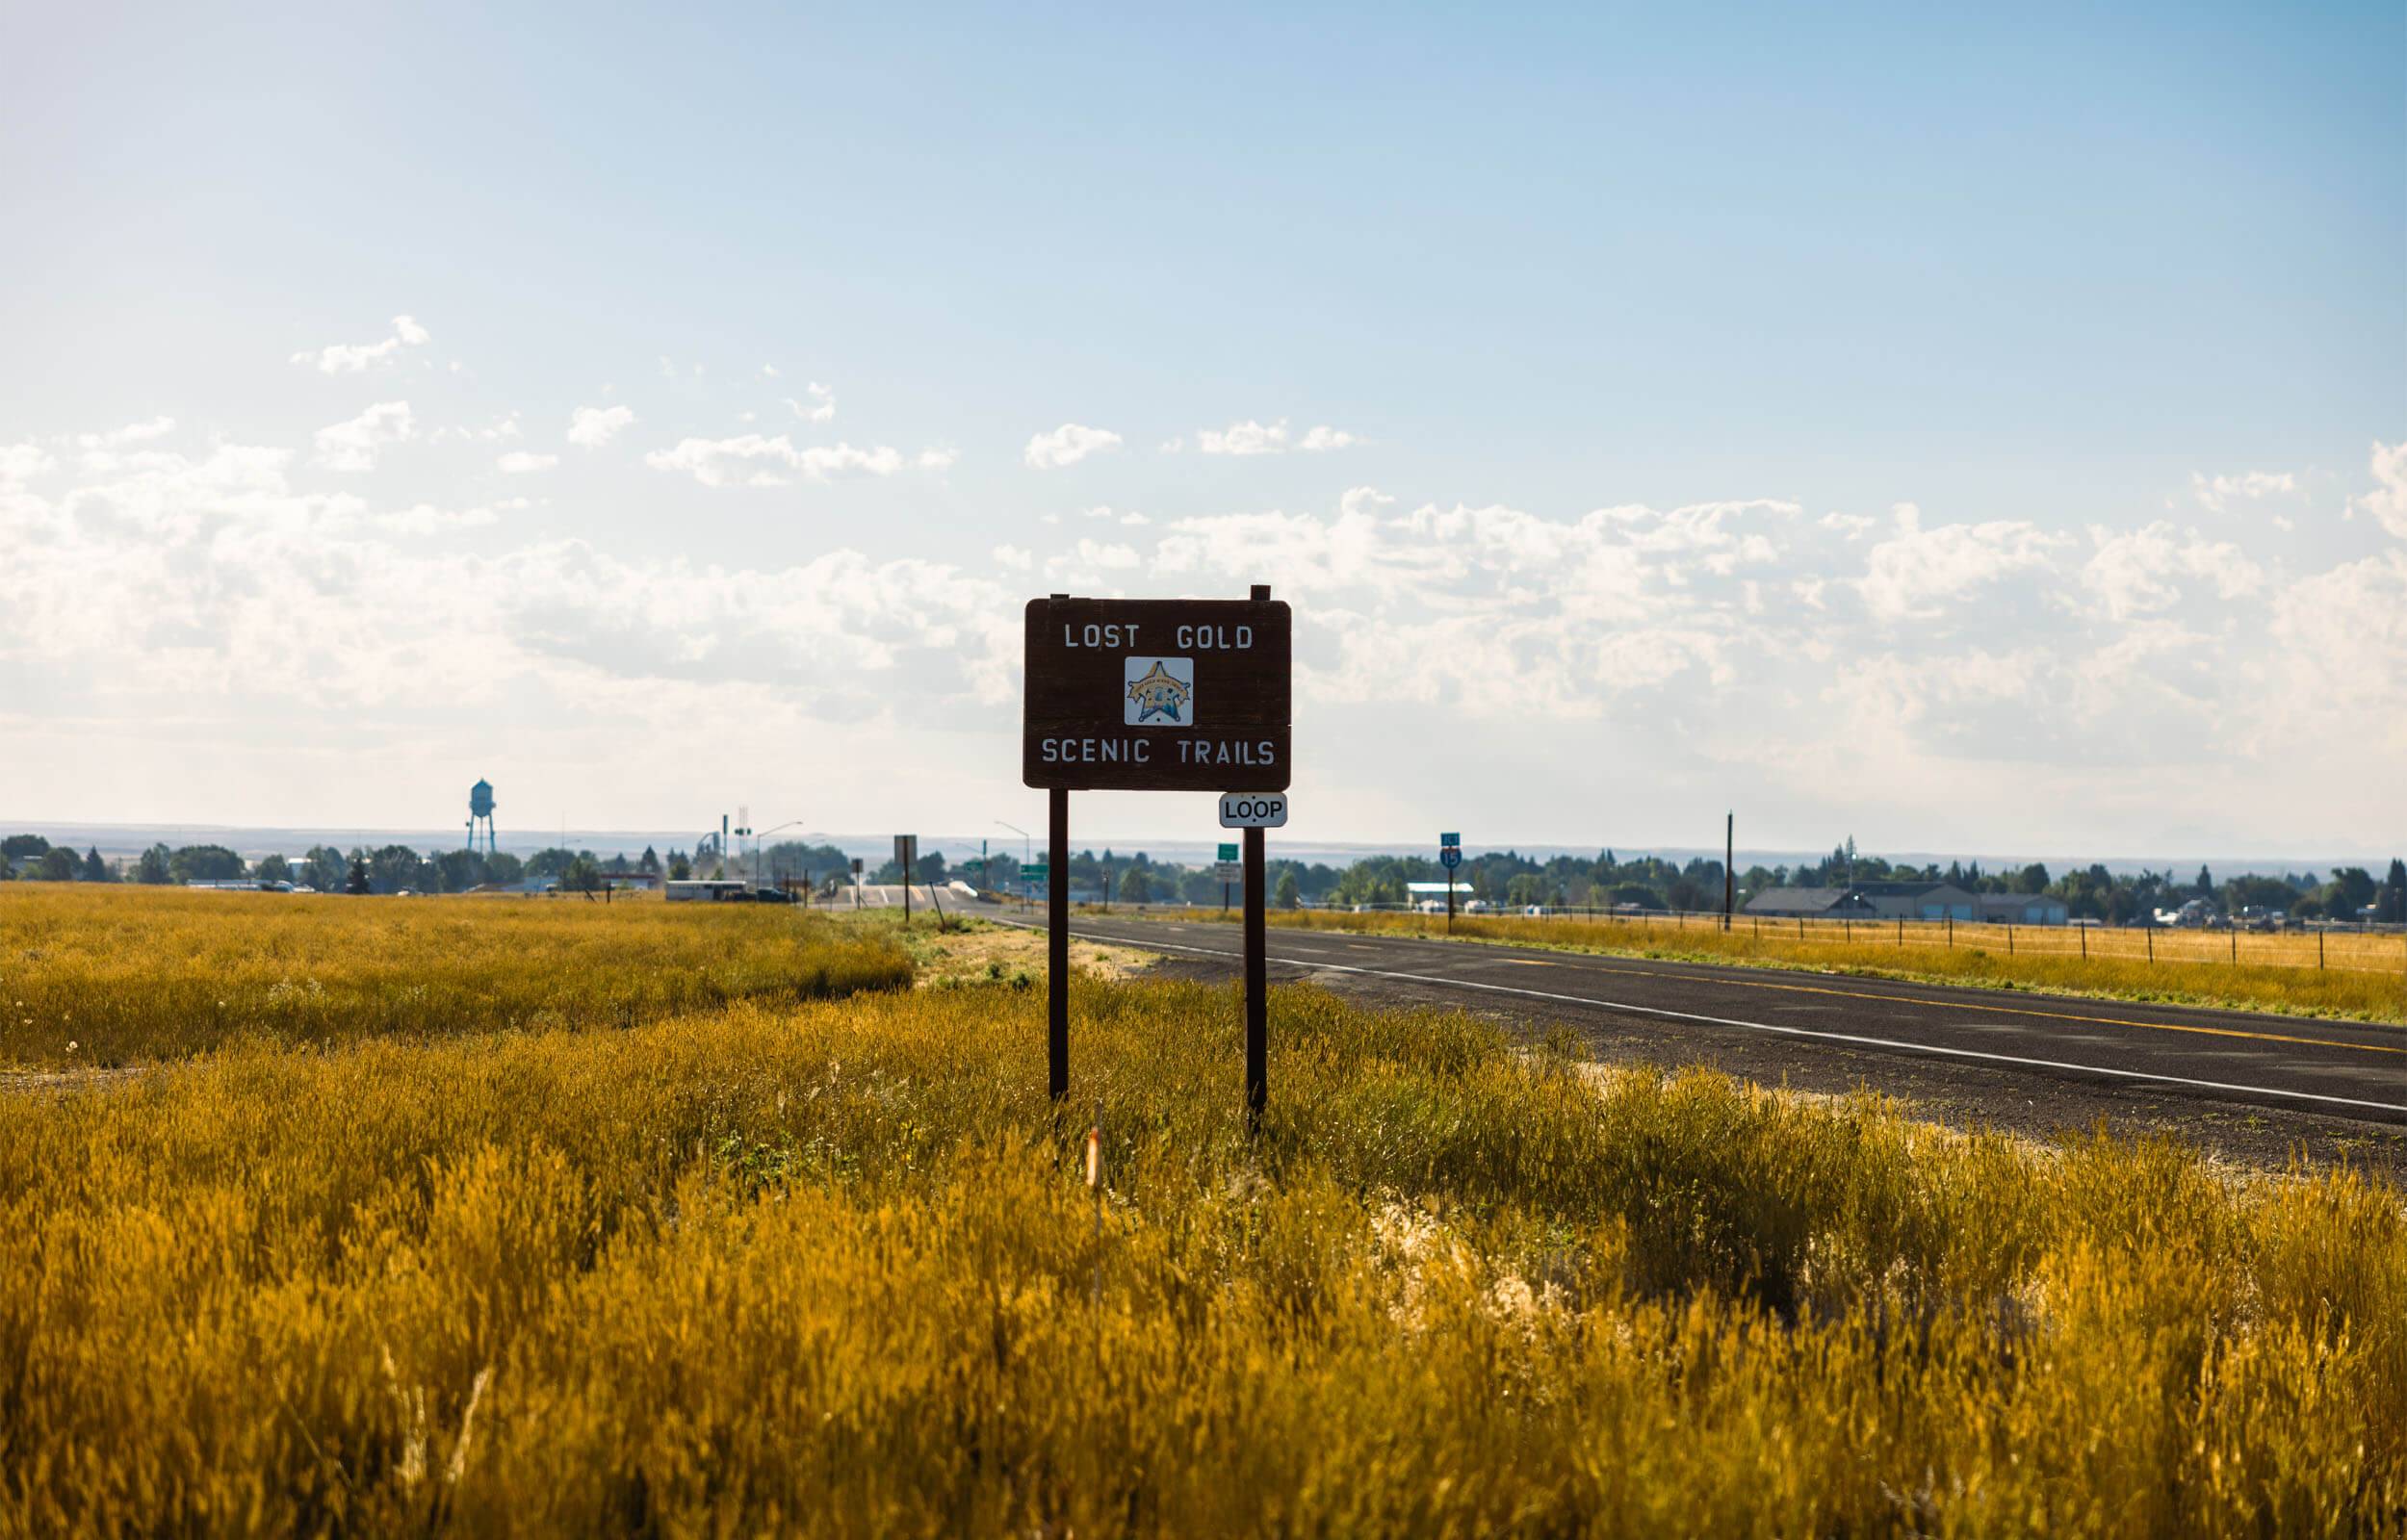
(2356, 949)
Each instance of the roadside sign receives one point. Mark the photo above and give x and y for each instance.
(1450, 858)
(1449, 839)
(1229, 871)
(1229, 853)
(857, 864)
(1161, 695)
(1033, 874)
(1238, 810)
(1157, 695)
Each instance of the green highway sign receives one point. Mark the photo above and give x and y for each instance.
(1033, 874)
(1229, 853)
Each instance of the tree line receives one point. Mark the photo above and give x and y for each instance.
(1501, 878)
(384, 869)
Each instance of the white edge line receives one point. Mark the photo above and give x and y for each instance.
(1767, 1026)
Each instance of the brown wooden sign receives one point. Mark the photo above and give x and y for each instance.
(1157, 695)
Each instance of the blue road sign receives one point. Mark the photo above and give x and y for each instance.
(1449, 839)
(1450, 858)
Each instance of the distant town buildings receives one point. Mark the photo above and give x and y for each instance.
(1908, 901)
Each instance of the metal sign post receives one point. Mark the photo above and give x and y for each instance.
(1256, 988)
(1729, 858)
(1157, 695)
(906, 856)
(1057, 944)
(1450, 856)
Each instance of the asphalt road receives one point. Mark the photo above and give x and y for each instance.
(2255, 1086)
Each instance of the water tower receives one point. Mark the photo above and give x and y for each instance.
(480, 812)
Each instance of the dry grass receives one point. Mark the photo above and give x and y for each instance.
(830, 1268)
(2042, 958)
(961, 952)
(109, 976)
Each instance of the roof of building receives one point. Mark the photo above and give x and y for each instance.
(1798, 900)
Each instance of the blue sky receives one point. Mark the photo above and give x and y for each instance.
(1629, 337)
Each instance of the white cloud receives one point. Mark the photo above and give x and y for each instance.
(2141, 670)
(352, 358)
(2388, 501)
(2132, 572)
(1068, 445)
(22, 462)
(939, 457)
(353, 446)
(506, 428)
(592, 426)
(756, 460)
(820, 408)
(1915, 571)
(132, 433)
(2217, 493)
(424, 519)
(1250, 437)
(525, 462)
(769, 372)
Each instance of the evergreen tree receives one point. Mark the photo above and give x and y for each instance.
(153, 867)
(2391, 907)
(97, 870)
(356, 884)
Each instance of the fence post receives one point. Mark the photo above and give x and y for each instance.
(2151, 934)
(1901, 936)
(2085, 943)
(2234, 946)
(2009, 940)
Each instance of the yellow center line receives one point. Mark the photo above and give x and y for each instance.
(2003, 1009)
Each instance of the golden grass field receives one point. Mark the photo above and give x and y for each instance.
(2042, 958)
(778, 1265)
(126, 975)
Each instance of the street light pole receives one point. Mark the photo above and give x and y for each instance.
(1027, 855)
(756, 847)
